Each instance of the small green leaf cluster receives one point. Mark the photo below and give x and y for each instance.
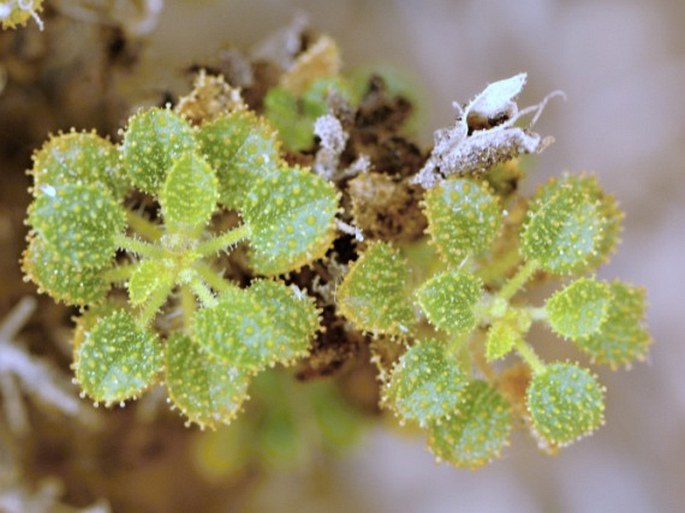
(184, 324)
(457, 325)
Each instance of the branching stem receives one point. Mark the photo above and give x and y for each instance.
(138, 246)
(143, 226)
(530, 357)
(525, 273)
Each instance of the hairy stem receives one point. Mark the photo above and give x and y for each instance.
(223, 241)
(188, 307)
(154, 303)
(143, 226)
(212, 278)
(138, 246)
(524, 273)
(529, 356)
(120, 273)
(202, 291)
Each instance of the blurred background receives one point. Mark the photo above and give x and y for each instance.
(621, 64)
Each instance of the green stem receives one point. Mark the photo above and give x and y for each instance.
(223, 241)
(188, 307)
(457, 344)
(537, 313)
(154, 303)
(120, 273)
(213, 278)
(138, 247)
(202, 291)
(529, 356)
(524, 273)
(500, 265)
(143, 226)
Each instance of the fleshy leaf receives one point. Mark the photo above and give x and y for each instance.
(117, 360)
(565, 403)
(578, 311)
(426, 384)
(258, 327)
(372, 293)
(78, 157)
(78, 222)
(563, 229)
(478, 433)
(189, 194)
(149, 277)
(241, 147)
(154, 140)
(623, 337)
(291, 216)
(207, 391)
(449, 300)
(502, 337)
(59, 279)
(464, 218)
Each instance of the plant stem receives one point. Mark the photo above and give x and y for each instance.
(213, 279)
(500, 265)
(223, 241)
(138, 247)
(188, 307)
(143, 226)
(524, 273)
(202, 291)
(154, 303)
(529, 356)
(120, 273)
(537, 313)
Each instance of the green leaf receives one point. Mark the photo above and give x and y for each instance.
(242, 148)
(372, 294)
(563, 229)
(478, 433)
(78, 157)
(189, 194)
(206, 390)
(150, 276)
(291, 214)
(610, 211)
(464, 218)
(623, 337)
(502, 337)
(426, 384)
(117, 360)
(78, 222)
(255, 328)
(449, 300)
(58, 278)
(578, 311)
(154, 140)
(565, 403)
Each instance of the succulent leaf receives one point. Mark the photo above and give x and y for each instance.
(464, 218)
(252, 329)
(501, 338)
(73, 286)
(207, 391)
(78, 222)
(149, 277)
(372, 293)
(563, 229)
(565, 403)
(190, 192)
(426, 384)
(623, 337)
(478, 433)
(291, 215)
(580, 309)
(154, 140)
(242, 148)
(117, 359)
(78, 157)
(449, 300)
